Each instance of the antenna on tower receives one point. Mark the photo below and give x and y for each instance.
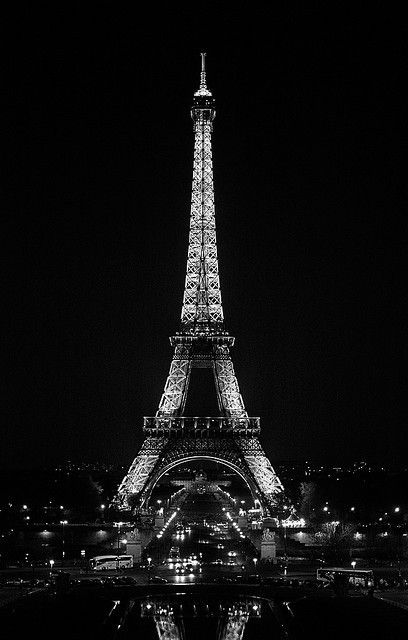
(203, 90)
(203, 83)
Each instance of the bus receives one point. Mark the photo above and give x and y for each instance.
(357, 577)
(102, 563)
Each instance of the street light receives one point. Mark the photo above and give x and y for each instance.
(51, 565)
(63, 523)
(149, 561)
(118, 524)
(353, 564)
(255, 560)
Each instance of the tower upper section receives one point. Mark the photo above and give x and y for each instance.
(203, 109)
(202, 311)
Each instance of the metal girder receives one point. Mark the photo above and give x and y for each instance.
(139, 472)
(229, 396)
(185, 358)
(174, 396)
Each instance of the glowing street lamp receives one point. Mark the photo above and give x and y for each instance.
(102, 510)
(396, 510)
(118, 525)
(353, 564)
(255, 560)
(63, 523)
(52, 562)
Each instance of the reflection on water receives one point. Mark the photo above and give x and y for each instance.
(179, 618)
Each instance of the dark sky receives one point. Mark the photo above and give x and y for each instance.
(309, 147)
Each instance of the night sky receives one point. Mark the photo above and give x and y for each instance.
(309, 144)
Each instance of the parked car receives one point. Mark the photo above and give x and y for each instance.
(124, 580)
(223, 580)
(157, 580)
(254, 578)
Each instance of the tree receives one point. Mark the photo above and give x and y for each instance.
(282, 510)
(335, 539)
(308, 501)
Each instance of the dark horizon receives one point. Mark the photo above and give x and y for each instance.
(332, 463)
(308, 166)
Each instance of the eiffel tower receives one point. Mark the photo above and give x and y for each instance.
(232, 437)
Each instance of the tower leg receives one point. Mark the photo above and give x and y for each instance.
(139, 472)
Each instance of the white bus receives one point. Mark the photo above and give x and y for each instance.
(102, 563)
(357, 577)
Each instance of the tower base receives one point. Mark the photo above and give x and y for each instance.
(238, 449)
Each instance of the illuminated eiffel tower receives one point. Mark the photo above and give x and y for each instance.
(232, 437)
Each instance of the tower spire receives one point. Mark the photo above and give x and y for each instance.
(202, 306)
(203, 90)
(203, 83)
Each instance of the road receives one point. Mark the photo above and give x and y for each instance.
(216, 544)
(397, 598)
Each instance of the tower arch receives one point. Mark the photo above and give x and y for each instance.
(156, 477)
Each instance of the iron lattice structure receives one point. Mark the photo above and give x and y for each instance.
(232, 437)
